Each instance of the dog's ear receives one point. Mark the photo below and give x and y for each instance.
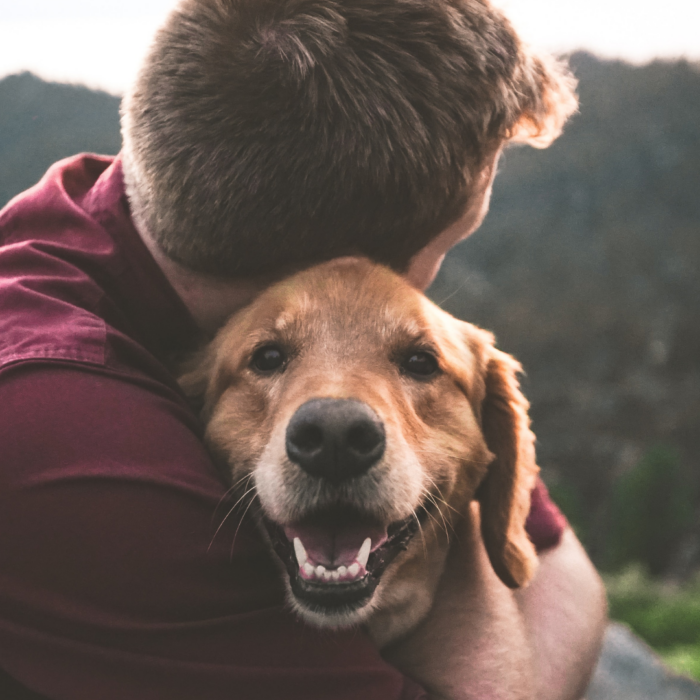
(489, 379)
(504, 494)
(201, 377)
(195, 378)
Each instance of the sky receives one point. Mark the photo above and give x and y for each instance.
(101, 42)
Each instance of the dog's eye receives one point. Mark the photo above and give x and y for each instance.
(420, 364)
(268, 359)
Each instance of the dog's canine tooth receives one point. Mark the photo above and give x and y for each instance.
(354, 569)
(300, 552)
(309, 569)
(363, 554)
(320, 570)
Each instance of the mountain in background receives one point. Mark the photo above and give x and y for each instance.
(42, 122)
(587, 269)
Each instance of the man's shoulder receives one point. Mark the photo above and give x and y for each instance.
(76, 282)
(49, 301)
(47, 311)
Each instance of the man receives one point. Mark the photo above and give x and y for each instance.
(261, 137)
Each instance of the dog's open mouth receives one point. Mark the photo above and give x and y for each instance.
(336, 558)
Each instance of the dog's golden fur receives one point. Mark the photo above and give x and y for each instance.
(458, 436)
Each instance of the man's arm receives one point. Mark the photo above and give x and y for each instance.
(123, 577)
(565, 612)
(481, 641)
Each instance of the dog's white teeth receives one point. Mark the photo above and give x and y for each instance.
(321, 573)
(363, 554)
(300, 552)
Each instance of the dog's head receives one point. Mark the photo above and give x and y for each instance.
(366, 419)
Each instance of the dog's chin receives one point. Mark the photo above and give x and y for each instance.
(332, 579)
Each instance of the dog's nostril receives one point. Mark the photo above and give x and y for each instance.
(308, 438)
(364, 438)
(335, 439)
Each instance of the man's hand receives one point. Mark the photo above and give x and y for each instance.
(473, 644)
(482, 641)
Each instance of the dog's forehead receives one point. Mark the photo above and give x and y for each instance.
(344, 300)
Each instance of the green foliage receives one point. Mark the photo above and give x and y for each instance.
(571, 505)
(663, 615)
(652, 506)
(684, 659)
(666, 617)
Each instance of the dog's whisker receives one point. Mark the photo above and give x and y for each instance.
(233, 488)
(449, 455)
(439, 495)
(222, 500)
(233, 507)
(245, 477)
(436, 500)
(453, 293)
(240, 522)
(444, 525)
(230, 492)
(226, 517)
(422, 534)
(434, 453)
(439, 525)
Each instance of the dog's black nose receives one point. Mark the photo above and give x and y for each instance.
(336, 439)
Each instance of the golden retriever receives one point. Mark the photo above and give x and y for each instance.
(367, 420)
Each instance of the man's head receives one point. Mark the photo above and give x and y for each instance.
(266, 135)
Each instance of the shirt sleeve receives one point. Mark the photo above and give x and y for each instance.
(545, 523)
(129, 572)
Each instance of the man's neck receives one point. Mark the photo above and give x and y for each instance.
(210, 300)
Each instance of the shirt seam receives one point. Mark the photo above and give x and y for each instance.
(95, 359)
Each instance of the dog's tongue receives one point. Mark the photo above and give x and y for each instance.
(333, 545)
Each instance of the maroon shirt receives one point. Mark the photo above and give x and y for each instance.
(114, 580)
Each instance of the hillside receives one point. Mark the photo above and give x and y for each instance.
(587, 269)
(41, 123)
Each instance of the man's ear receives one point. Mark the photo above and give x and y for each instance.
(504, 494)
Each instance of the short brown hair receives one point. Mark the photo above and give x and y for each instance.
(267, 135)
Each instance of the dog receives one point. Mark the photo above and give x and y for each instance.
(368, 421)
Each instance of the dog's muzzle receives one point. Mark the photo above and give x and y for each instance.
(336, 551)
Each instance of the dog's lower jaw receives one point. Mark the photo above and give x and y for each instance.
(402, 597)
(404, 600)
(330, 620)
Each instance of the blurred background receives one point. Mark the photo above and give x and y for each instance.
(587, 267)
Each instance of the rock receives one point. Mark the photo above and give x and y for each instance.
(630, 670)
